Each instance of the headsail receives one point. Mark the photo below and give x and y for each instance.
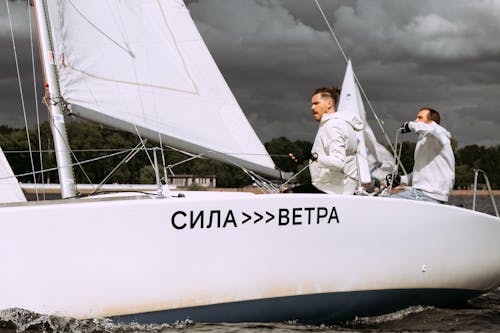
(10, 191)
(374, 160)
(141, 65)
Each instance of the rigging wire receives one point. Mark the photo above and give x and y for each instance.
(143, 143)
(126, 159)
(170, 166)
(122, 23)
(125, 38)
(72, 164)
(74, 150)
(37, 109)
(21, 91)
(397, 164)
(365, 96)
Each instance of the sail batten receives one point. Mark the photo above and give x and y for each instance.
(143, 64)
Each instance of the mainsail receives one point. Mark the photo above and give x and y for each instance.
(142, 66)
(374, 160)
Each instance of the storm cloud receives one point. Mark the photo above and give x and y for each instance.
(273, 53)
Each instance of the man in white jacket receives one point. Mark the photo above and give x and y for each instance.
(433, 173)
(334, 167)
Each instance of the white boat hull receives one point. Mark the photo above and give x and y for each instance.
(243, 257)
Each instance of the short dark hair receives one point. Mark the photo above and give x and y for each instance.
(333, 93)
(433, 115)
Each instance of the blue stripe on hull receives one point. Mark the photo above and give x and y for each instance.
(311, 309)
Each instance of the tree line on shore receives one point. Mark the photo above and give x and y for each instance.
(92, 141)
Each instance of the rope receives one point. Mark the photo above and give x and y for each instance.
(365, 96)
(397, 162)
(263, 184)
(21, 92)
(331, 30)
(296, 174)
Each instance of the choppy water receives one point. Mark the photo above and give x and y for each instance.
(481, 314)
(483, 202)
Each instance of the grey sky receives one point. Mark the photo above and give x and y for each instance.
(273, 53)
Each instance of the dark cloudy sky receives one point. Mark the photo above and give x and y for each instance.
(273, 53)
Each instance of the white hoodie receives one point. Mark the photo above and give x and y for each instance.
(336, 144)
(434, 168)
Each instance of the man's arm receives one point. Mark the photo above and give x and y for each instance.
(424, 129)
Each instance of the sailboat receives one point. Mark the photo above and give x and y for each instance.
(142, 66)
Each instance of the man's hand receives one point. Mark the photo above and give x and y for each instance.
(394, 182)
(405, 128)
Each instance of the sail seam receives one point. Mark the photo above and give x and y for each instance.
(176, 46)
(66, 61)
(130, 82)
(127, 50)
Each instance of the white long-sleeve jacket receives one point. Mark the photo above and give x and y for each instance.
(336, 144)
(434, 168)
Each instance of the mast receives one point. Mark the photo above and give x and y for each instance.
(54, 103)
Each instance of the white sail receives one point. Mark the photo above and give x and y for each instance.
(10, 191)
(142, 66)
(374, 160)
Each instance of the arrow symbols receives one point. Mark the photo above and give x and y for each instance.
(260, 217)
(247, 217)
(271, 216)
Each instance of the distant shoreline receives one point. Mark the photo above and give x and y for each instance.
(471, 192)
(86, 189)
(258, 191)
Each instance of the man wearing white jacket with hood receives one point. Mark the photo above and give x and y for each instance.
(433, 173)
(334, 167)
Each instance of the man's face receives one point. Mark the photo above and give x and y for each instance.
(423, 116)
(320, 106)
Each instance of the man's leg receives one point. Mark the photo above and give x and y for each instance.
(414, 194)
(409, 193)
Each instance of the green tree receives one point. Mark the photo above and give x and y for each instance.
(470, 155)
(90, 141)
(464, 176)
(490, 163)
(291, 156)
